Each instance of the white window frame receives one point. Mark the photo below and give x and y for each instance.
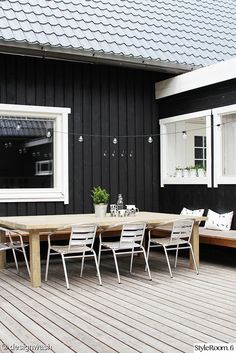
(60, 191)
(166, 180)
(219, 178)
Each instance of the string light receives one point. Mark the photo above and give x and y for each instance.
(122, 154)
(150, 139)
(184, 135)
(131, 154)
(115, 140)
(18, 126)
(105, 153)
(113, 153)
(48, 134)
(81, 139)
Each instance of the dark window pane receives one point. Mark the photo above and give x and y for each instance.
(198, 153)
(198, 141)
(205, 141)
(26, 152)
(199, 163)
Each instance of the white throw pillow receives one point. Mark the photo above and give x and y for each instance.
(217, 221)
(187, 212)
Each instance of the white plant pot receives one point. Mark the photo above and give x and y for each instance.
(201, 173)
(185, 173)
(192, 173)
(178, 173)
(100, 210)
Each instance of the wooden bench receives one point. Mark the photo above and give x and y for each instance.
(218, 237)
(207, 236)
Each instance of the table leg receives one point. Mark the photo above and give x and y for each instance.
(2, 253)
(35, 261)
(195, 245)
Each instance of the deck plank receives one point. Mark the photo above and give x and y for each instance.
(165, 315)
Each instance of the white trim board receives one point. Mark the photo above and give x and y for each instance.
(206, 76)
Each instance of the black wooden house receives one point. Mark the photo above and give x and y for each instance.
(101, 60)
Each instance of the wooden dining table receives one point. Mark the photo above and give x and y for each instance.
(36, 225)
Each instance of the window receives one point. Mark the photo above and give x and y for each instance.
(186, 149)
(200, 151)
(225, 145)
(33, 153)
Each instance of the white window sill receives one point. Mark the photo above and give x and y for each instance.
(32, 195)
(185, 180)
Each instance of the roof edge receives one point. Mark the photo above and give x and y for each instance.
(209, 75)
(93, 57)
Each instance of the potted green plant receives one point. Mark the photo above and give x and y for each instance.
(193, 172)
(100, 199)
(201, 172)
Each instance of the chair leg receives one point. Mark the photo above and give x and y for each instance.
(194, 260)
(82, 265)
(65, 271)
(15, 259)
(168, 262)
(47, 265)
(176, 255)
(146, 261)
(99, 253)
(116, 264)
(131, 261)
(26, 262)
(97, 267)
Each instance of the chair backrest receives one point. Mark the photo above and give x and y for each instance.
(182, 229)
(133, 232)
(82, 235)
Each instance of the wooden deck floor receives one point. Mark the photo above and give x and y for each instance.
(165, 315)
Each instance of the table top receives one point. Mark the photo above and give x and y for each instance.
(50, 222)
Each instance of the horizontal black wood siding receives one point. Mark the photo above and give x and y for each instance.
(174, 197)
(104, 100)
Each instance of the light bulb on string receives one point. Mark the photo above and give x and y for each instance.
(48, 134)
(18, 126)
(150, 139)
(131, 154)
(105, 153)
(81, 139)
(122, 154)
(115, 140)
(184, 135)
(113, 153)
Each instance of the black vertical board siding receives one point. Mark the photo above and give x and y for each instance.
(105, 130)
(139, 122)
(122, 123)
(148, 148)
(96, 128)
(104, 100)
(10, 82)
(78, 154)
(115, 187)
(131, 151)
(156, 154)
(3, 86)
(88, 158)
(174, 197)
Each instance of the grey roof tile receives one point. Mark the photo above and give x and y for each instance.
(190, 32)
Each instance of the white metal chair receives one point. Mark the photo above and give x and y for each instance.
(15, 243)
(179, 239)
(130, 242)
(80, 246)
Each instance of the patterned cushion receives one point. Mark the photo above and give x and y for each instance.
(187, 212)
(217, 221)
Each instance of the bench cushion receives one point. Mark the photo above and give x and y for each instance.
(227, 234)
